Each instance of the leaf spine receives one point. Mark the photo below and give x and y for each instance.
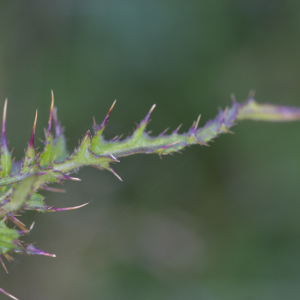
(31, 143)
(50, 115)
(3, 137)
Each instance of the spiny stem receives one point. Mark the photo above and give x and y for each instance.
(19, 191)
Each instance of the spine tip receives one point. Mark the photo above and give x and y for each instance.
(113, 171)
(164, 132)
(177, 129)
(197, 123)
(232, 96)
(68, 208)
(145, 121)
(51, 113)
(104, 122)
(3, 264)
(7, 294)
(31, 143)
(3, 137)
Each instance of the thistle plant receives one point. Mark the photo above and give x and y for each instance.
(20, 189)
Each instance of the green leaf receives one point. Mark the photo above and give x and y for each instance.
(20, 194)
(7, 238)
(36, 202)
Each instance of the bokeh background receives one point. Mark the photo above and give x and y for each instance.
(215, 223)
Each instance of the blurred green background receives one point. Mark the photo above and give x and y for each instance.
(215, 223)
